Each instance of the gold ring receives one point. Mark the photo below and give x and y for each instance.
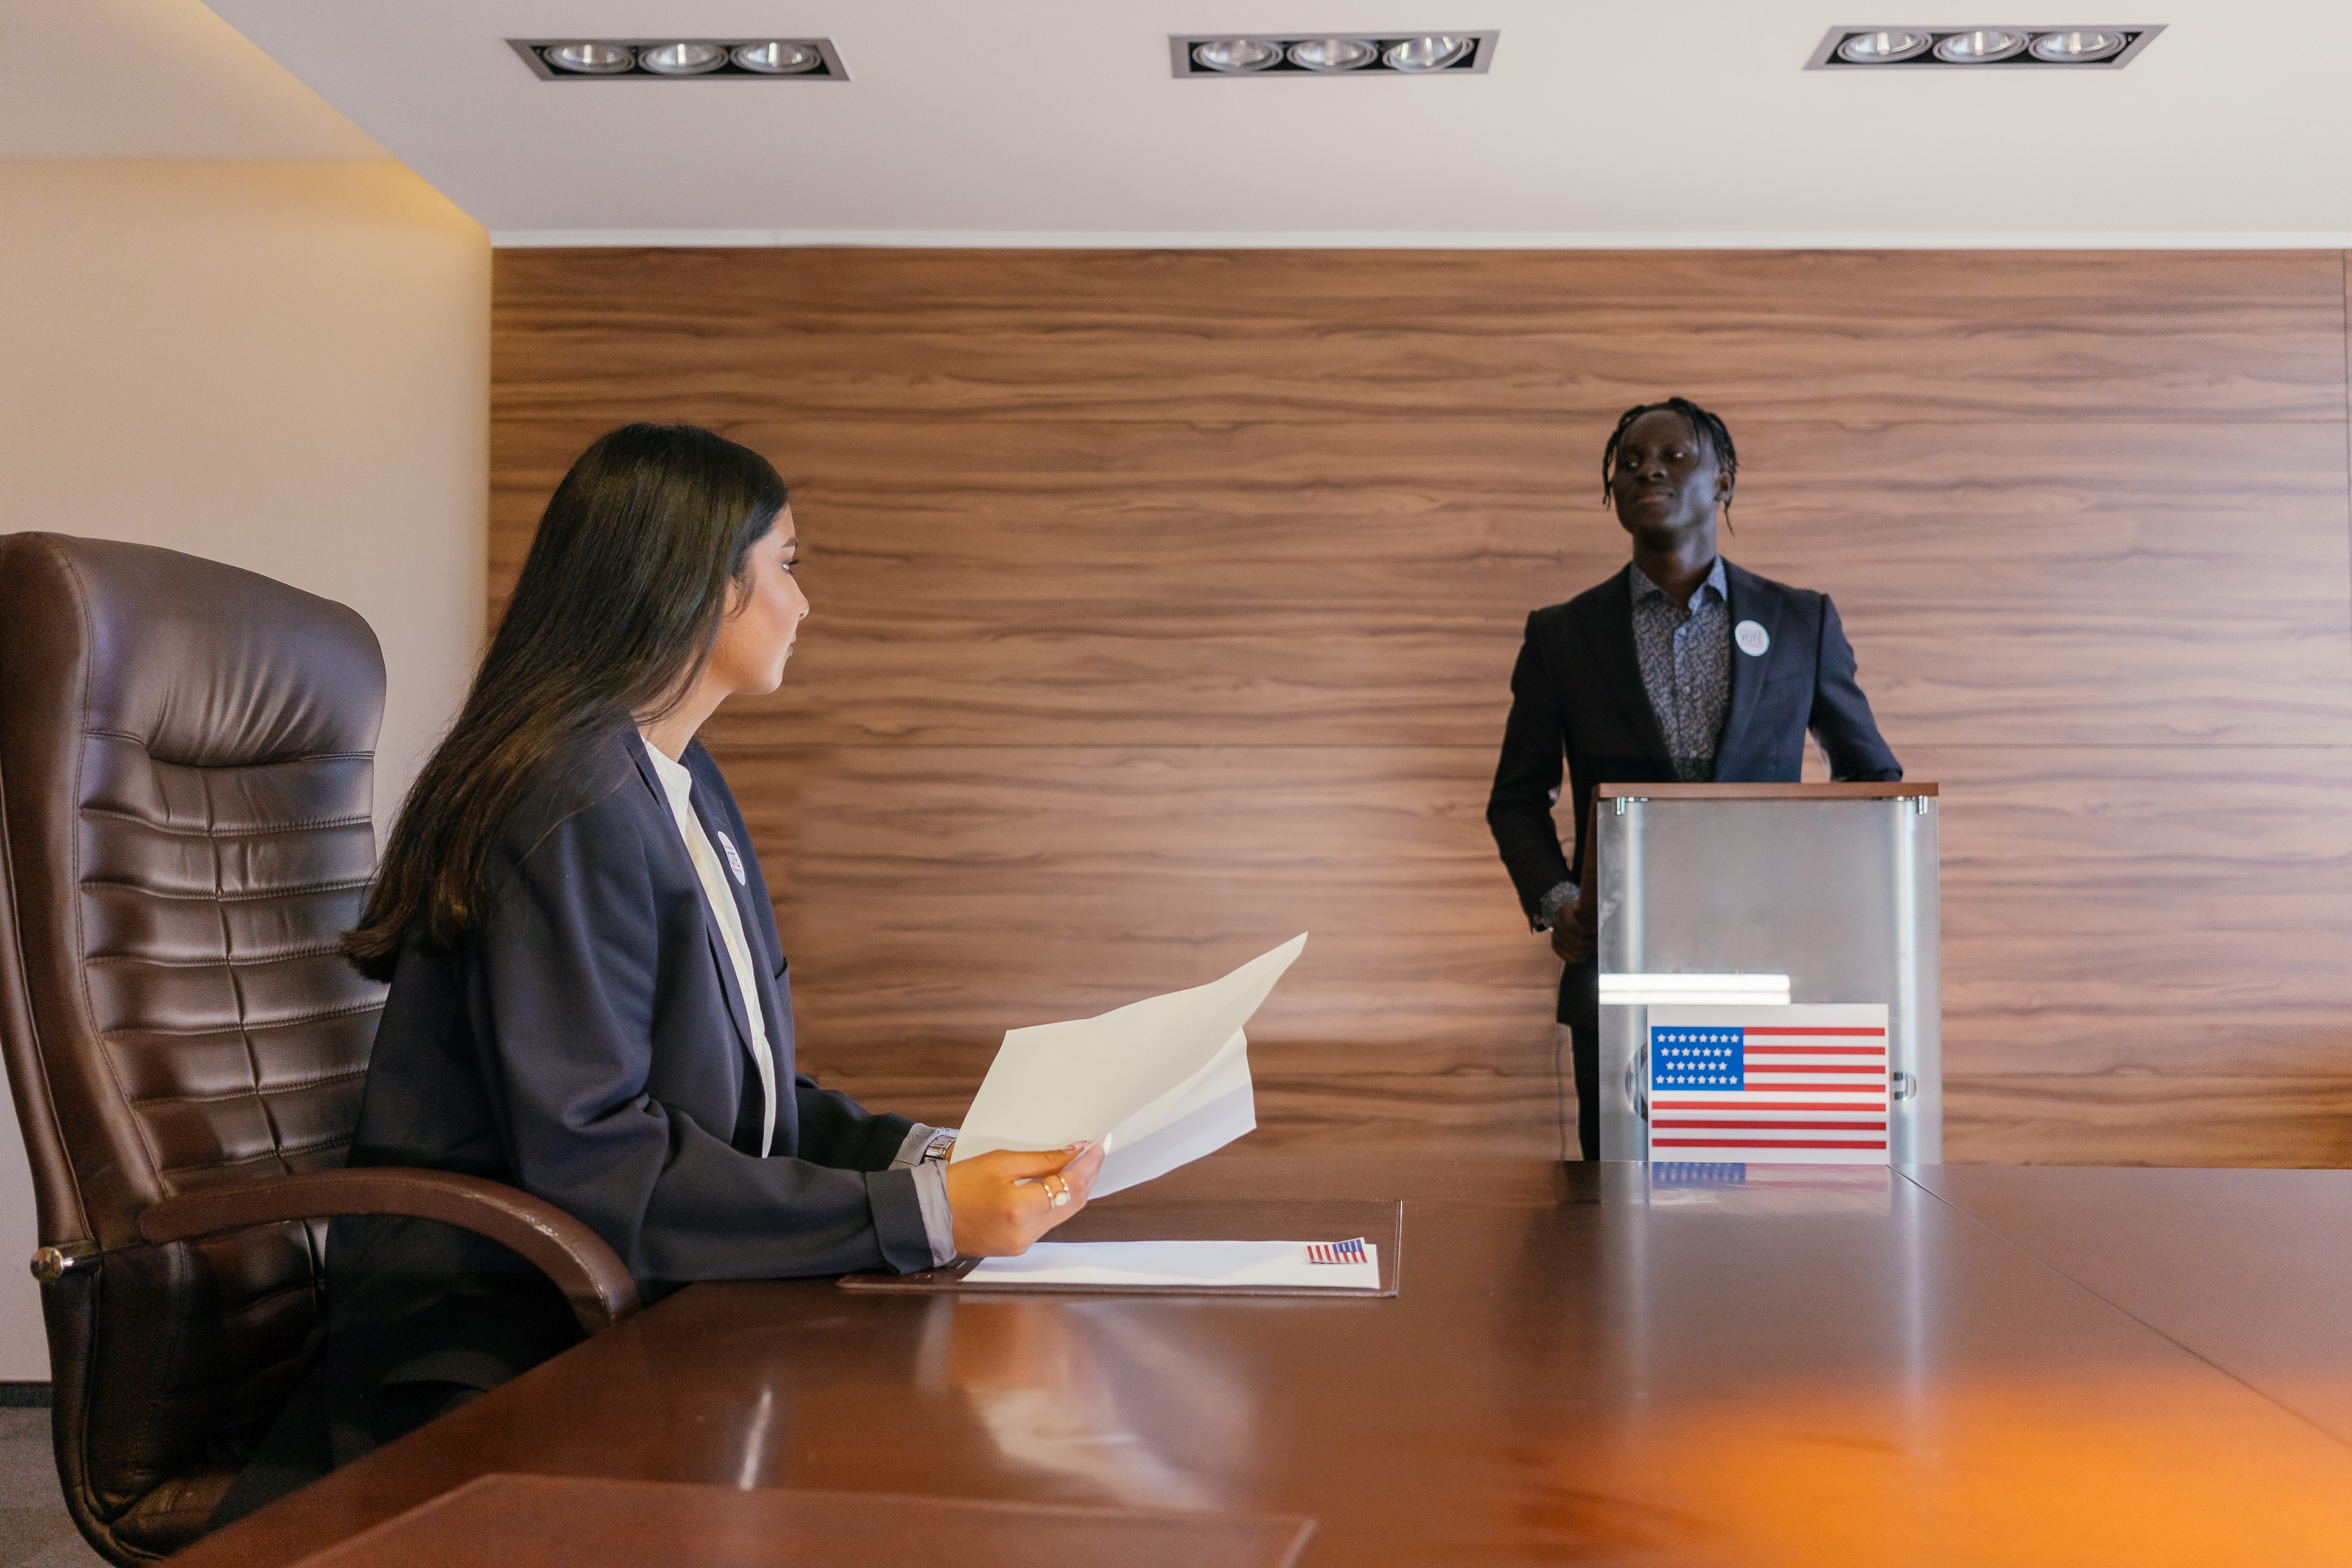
(1058, 1199)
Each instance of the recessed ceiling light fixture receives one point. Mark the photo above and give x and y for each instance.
(1437, 51)
(777, 59)
(1231, 55)
(1980, 46)
(698, 59)
(1332, 54)
(1341, 54)
(2009, 47)
(1886, 44)
(591, 60)
(683, 60)
(2075, 45)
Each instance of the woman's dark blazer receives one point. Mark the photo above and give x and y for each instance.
(1577, 694)
(586, 1042)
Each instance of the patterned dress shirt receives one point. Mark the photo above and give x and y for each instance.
(1686, 654)
(1684, 651)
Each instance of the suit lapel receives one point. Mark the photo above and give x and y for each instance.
(738, 888)
(1609, 646)
(710, 931)
(1746, 601)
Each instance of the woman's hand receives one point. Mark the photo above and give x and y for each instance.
(1004, 1201)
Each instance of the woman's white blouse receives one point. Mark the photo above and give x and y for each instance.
(678, 785)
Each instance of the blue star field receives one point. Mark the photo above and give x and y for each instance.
(1699, 1058)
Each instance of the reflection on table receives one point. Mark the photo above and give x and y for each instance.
(1080, 1389)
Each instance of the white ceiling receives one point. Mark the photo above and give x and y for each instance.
(1056, 121)
(154, 78)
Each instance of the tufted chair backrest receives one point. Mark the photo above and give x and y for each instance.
(186, 777)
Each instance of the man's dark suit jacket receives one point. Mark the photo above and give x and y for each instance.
(1577, 693)
(587, 1042)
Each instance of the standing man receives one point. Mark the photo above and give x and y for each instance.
(1682, 667)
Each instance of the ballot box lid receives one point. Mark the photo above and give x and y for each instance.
(1848, 790)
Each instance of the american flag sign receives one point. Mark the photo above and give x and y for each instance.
(1337, 1251)
(1762, 1085)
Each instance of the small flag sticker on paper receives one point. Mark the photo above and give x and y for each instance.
(1337, 1251)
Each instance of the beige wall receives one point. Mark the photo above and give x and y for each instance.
(284, 366)
(280, 365)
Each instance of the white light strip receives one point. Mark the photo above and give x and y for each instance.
(1694, 990)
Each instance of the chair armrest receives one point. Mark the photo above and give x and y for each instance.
(590, 1273)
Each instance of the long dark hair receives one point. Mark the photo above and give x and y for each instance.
(617, 609)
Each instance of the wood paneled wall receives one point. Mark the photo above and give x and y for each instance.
(1165, 604)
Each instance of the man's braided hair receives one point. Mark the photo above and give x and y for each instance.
(1705, 427)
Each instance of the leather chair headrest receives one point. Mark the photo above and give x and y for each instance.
(204, 665)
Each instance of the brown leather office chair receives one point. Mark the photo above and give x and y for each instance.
(187, 759)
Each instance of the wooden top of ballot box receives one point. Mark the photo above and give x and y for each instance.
(1897, 791)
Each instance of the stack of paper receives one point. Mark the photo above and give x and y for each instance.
(1195, 1265)
(1161, 1082)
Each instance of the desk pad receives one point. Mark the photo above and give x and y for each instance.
(1120, 1219)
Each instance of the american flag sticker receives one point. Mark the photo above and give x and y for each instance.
(1796, 1085)
(1337, 1251)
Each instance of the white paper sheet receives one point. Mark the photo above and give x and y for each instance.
(1205, 1265)
(1162, 1081)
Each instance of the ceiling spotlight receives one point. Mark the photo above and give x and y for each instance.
(2016, 46)
(591, 60)
(2078, 44)
(1433, 52)
(1980, 46)
(1237, 54)
(1332, 54)
(774, 59)
(682, 59)
(1280, 55)
(676, 58)
(1876, 48)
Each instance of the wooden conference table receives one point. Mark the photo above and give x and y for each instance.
(1596, 1364)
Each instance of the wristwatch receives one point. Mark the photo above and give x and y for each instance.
(941, 1144)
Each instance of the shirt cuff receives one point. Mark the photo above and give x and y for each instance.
(1548, 908)
(938, 1220)
(919, 1138)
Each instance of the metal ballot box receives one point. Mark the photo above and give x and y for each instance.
(1756, 895)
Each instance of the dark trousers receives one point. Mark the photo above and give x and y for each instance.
(1579, 1009)
(300, 1446)
(370, 1383)
(1584, 1052)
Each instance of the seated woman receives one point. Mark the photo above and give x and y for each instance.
(588, 999)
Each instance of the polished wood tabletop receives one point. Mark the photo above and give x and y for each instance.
(580, 1521)
(2251, 1270)
(1606, 1364)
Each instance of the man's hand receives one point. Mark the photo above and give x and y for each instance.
(1572, 935)
(1004, 1201)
